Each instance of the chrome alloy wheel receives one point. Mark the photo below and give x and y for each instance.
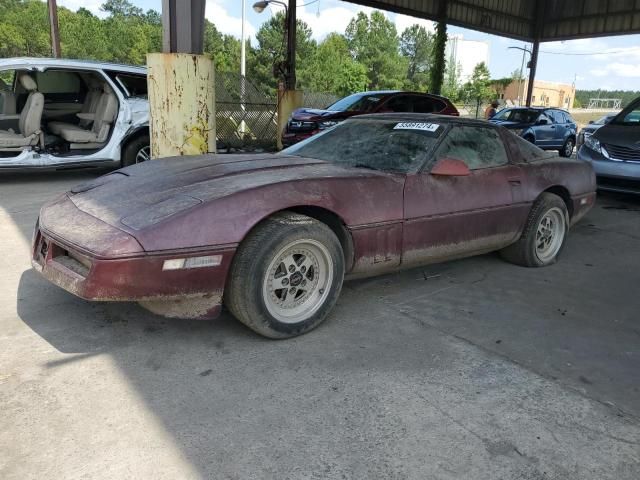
(297, 281)
(550, 234)
(143, 154)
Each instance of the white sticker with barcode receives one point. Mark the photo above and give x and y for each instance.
(427, 127)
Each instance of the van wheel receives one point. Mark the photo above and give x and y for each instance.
(137, 150)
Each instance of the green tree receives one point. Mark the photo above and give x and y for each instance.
(517, 74)
(24, 29)
(451, 84)
(224, 49)
(416, 45)
(122, 8)
(267, 60)
(478, 88)
(333, 70)
(82, 35)
(439, 62)
(373, 42)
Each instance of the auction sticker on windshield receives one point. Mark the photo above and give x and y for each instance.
(426, 127)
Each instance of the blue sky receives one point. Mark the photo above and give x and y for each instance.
(608, 63)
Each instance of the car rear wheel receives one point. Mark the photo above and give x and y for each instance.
(137, 150)
(567, 148)
(286, 276)
(544, 234)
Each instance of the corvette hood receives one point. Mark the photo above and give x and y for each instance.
(146, 194)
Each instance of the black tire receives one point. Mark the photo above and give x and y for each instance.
(131, 150)
(524, 252)
(567, 148)
(248, 278)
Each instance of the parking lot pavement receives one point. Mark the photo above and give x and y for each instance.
(474, 369)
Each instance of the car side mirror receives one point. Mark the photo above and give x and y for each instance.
(450, 167)
(542, 121)
(591, 122)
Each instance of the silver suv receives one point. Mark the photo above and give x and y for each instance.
(68, 114)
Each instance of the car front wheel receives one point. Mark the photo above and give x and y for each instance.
(544, 234)
(567, 148)
(286, 276)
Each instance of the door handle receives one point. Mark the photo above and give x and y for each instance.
(515, 182)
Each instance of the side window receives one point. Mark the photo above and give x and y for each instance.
(401, 103)
(427, 105)
(136, 85)
(478, 147)
(55, 81)
(7, 96)
(546, 117)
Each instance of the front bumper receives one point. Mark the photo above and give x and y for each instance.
(611, 175)
(136, 277)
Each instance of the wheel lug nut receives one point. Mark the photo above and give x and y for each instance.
(303, 269)
(304, 282)
(285, 281)
(292, 290)
(292, 268)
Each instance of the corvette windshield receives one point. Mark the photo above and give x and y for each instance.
(392, 146)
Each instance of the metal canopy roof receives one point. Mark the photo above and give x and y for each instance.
(529, 20)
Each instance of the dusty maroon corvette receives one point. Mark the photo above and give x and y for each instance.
(273, 236)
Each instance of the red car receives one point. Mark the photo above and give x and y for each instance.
(273, 236)
(306, 122)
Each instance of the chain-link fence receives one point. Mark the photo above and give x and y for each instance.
(247, 118)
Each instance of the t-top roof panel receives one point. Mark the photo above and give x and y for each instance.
(544, 20)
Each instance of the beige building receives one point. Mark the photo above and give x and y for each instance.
(545, 94)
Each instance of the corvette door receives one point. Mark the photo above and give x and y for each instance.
(453, 216)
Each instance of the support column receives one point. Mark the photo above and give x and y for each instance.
(439, 62)
(181, 84)
(532, 72)
(541, 7)
(289, 99)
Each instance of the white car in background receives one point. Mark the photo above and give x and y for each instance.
(62, 114)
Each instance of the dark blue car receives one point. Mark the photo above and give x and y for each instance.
(548, 128)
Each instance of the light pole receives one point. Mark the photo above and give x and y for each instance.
(53, 25)
(243, 69)
(290, 25)
(524, 50)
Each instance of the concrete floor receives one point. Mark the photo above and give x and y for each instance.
(474, 369)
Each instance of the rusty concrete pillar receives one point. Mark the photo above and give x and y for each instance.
(181, 84)
(182, 103)
(288, 101)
